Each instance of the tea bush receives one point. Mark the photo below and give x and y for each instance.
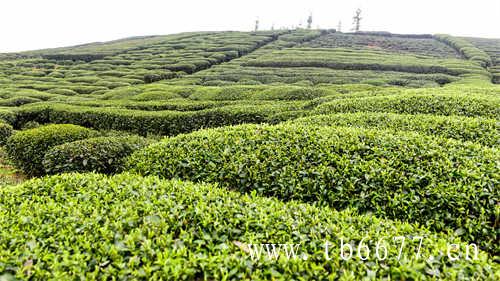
(154, 122)
(481, 130)
(27, 148)
(438, 182)
(7, 115)
(17, 101)
(415, 103)
(101, 154)
(128, 227)
(6, 131)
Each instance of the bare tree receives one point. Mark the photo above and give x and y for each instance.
(356, 20)
(309, 21)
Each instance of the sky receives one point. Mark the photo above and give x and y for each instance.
(36, 24)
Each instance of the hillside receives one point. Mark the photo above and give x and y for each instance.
(206, 143)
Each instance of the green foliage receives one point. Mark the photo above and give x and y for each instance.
(155, 95)
(27, 148)
(480, 130)
(152, 122)
(64, 92)
(30, 125)
(7, 115)
(416, 103)
(101, 154)
(251, 92)
(6, 131)
(492, 48)
(422, 147)
(128, 227)
(437, 182)
(18, 101)
(94, 68)
(411, 62)
(467, 49)
(404, 44)
(358, 60)
(157, 76)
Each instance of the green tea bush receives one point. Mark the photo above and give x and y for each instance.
(185, 67)
(152, 122)
(56, 74)
(30, 93)
(74, 57)
(27, 148)
(30, 125)
(441, 183)
(85, 90)
(62, 91)
(111, 84)
(291, 93)
(157, 76)
(257, 92)
(101, 154)
(7, 115)
(128, 227)
(18, 101)
(154, 105)
(84, 79)
(415, 103)
(481, 130)
(6, 131)
(155, 95)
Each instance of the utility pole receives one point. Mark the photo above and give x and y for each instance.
(339, 26)
(256, 24)
(357, 19)
(309, 21)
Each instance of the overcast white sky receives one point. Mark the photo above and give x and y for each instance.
(35, 24)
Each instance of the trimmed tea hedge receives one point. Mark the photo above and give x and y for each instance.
(444, 184)
(17, 101)
(27, 148)
(6, 131)
(90, 227)
(414, 103)
(360, 60)
(101, 154)
(481, 130)
(7, 115)
(152, 122)
(417, 44)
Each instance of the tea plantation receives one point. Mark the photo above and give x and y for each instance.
(170, 157)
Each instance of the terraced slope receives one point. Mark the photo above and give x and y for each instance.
(337, 58)
(492, 48)
(303, 137)
(425, 45)
(96, 68)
